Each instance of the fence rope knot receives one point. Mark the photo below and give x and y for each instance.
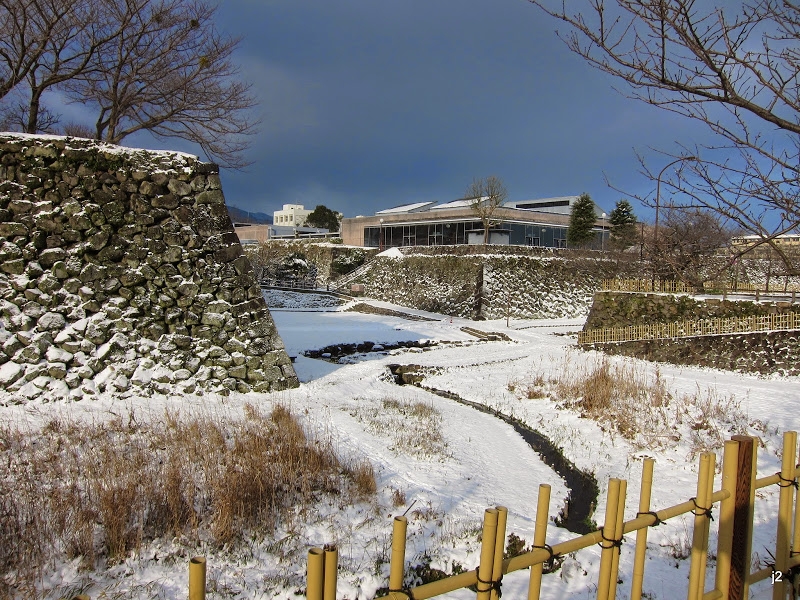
(702, 511)
(493, 585)
(549, 549)
(612, 543)
(407, 592)
(785, 483)
(656, 520)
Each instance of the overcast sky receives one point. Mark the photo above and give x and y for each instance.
(367, 104)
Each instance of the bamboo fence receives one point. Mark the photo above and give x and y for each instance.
(732, 577)
(691, 328)
(679, 287)
(645, 285)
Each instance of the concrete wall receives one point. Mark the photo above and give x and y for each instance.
(120, 271)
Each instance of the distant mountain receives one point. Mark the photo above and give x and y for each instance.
(242, 216)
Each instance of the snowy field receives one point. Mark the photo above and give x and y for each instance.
(478, 461)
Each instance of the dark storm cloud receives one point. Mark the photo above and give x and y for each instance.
(367, 104)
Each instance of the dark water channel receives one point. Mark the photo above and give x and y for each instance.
(576, 516)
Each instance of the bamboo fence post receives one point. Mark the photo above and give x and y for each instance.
(795, 550)
(786, 484)
(499, 543)
(315, 576)
(702, 517)
(197, 578)
(330, 572)
(539, 539)
(618, 526)
(485, 583)
(730, 460)
(743, 519)
(641, 535)
(608, 543)
(398, 559)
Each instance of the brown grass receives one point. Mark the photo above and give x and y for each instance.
(98, 491)
(628, 400)
(413, 427)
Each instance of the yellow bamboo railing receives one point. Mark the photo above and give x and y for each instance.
(679, 287)
(733, 575)
(734, 540)
(691, 328)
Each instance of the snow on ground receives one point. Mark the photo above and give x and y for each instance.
(276, 299)
(481, 463)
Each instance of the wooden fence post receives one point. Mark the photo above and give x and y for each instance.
(741, 546)
(641, 535)
(315, 576)
(485, 583)
(786, 483)
(539, 539)
(197, 578)
(397, 564)
(795, 551)
(330, 572)
(730, 464)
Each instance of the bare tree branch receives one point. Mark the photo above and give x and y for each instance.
(170, 72)
(485, 196)
(736, 69)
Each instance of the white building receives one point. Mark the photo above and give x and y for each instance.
(292, 215)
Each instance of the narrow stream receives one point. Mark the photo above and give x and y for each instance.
(583, 491)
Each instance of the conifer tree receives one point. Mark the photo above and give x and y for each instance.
(623, 225)
(581, 222)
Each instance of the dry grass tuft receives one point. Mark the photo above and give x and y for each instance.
(627, 400)
(98, 491)
(415, 428)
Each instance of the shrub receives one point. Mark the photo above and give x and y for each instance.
(97, 491)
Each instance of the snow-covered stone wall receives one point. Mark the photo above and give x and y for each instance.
(120, 270)
(765, 352)
(621, 309)
(489, 286)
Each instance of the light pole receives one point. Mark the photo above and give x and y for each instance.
(380, 239)
(603, 232)
(658, 205)
(658, 193)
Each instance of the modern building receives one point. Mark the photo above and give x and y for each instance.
(292, 215)
(786, 240)
(455, 222)
(253, 234)
(561, 205)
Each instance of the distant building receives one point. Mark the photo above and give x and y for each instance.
(432, 224)
(561, 205)
(253, 234)
(787, 240)
(292, 215)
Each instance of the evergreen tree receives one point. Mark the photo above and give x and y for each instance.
(623, 225)
(324, 217)
(581, 222)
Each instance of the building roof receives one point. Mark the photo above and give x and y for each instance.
(461, 203)
(405, 208)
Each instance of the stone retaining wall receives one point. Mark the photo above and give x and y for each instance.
(487, 286)
(621, 309)
(120, 271)
(764, 352)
